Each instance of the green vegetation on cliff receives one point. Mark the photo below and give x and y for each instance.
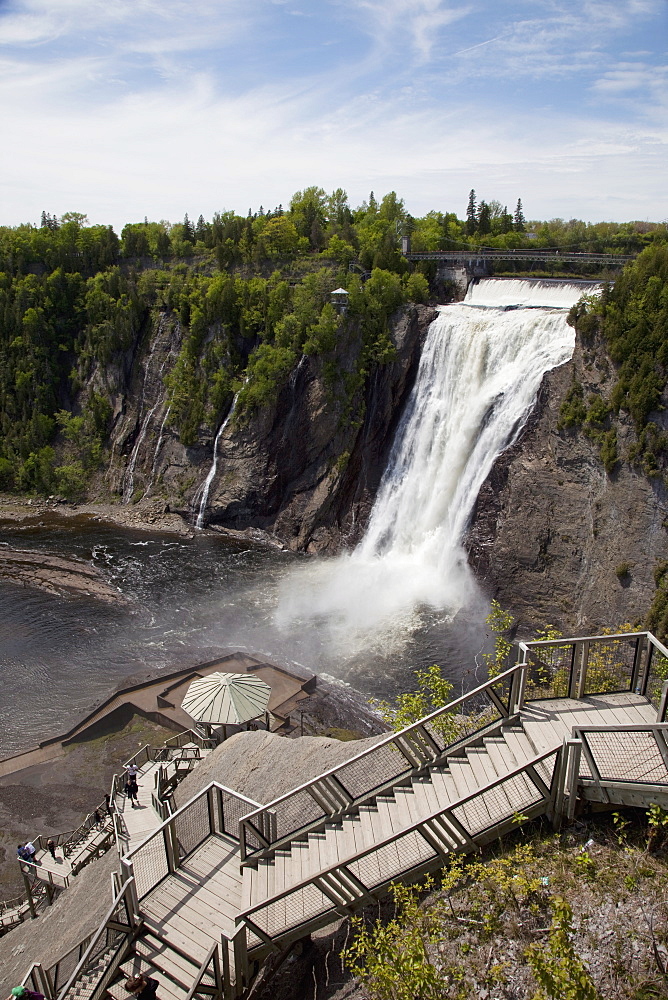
(247, 297)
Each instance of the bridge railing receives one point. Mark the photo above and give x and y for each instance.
(524, 793)
(389, 761)
(602, 664)
(526, 253)
(214, 810)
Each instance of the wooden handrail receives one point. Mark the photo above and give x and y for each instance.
(390, 738)
(522, 769)
(95, 938)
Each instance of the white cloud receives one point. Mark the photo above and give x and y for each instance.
(132, 107)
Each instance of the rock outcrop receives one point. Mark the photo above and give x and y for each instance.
(557, 539)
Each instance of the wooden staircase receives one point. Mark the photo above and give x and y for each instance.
(224, 883)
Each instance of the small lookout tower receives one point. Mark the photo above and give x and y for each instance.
(340, 300)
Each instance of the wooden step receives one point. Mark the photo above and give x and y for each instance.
(367, 814)
(444, 785)
(522, 748)
(153, 957)
(482, 762)
(500, 755)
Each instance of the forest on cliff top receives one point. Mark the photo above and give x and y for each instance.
(252, 295)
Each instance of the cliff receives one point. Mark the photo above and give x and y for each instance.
(558, 539)
(304, 468)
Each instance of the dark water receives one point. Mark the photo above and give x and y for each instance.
(189, 600)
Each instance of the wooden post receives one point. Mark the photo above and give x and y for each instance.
(560, 785)
(582, 681)
(663, 703)
(31, 901)
(573, 775)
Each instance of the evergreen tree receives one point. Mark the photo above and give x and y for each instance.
(519, 220)
(471, 221)
(188, 231)
(201, 229)
(506, 220)
(484, 219)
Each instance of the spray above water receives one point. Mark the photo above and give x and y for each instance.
(479, 373)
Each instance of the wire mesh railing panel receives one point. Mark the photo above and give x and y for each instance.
(545, 770)
(548, 672)
(295, 812)
(60, 972)
(292, 910)
(383, 764)
(658, 674)
(448, 730)
(627, 756)
(610, 665)
(150, 864)
(233, 809)
(501, 802)
(391, 860)
(192, 825)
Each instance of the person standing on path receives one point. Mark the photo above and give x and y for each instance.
(132, 771)
(51, 847)
(131, 791)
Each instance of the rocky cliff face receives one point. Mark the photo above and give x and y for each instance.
(557, 539)
(304, 469)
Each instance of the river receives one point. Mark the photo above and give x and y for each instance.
(404, 599)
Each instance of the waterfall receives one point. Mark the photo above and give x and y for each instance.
(479, 373)
(206, 486)
(129, 478)
(156, 453)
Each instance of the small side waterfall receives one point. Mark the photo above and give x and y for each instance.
(479, 373)
(156, 453)
(206, 486)
(129, 478)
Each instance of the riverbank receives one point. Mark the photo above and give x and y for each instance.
(148, 515)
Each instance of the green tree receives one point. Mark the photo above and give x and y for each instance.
(471, 214)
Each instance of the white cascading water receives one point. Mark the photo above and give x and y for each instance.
(206, 486)
(479, 373)
(129, 479)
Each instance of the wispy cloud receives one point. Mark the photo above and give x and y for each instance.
(130, 107)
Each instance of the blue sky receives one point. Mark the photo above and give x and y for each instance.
(127, 108)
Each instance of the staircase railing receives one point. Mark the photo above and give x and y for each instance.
(622, 758)
(529, 790)
(602, 664)
(392, 759)
(105, 952)
(214, 810)
(96, 957)
(191, 736)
